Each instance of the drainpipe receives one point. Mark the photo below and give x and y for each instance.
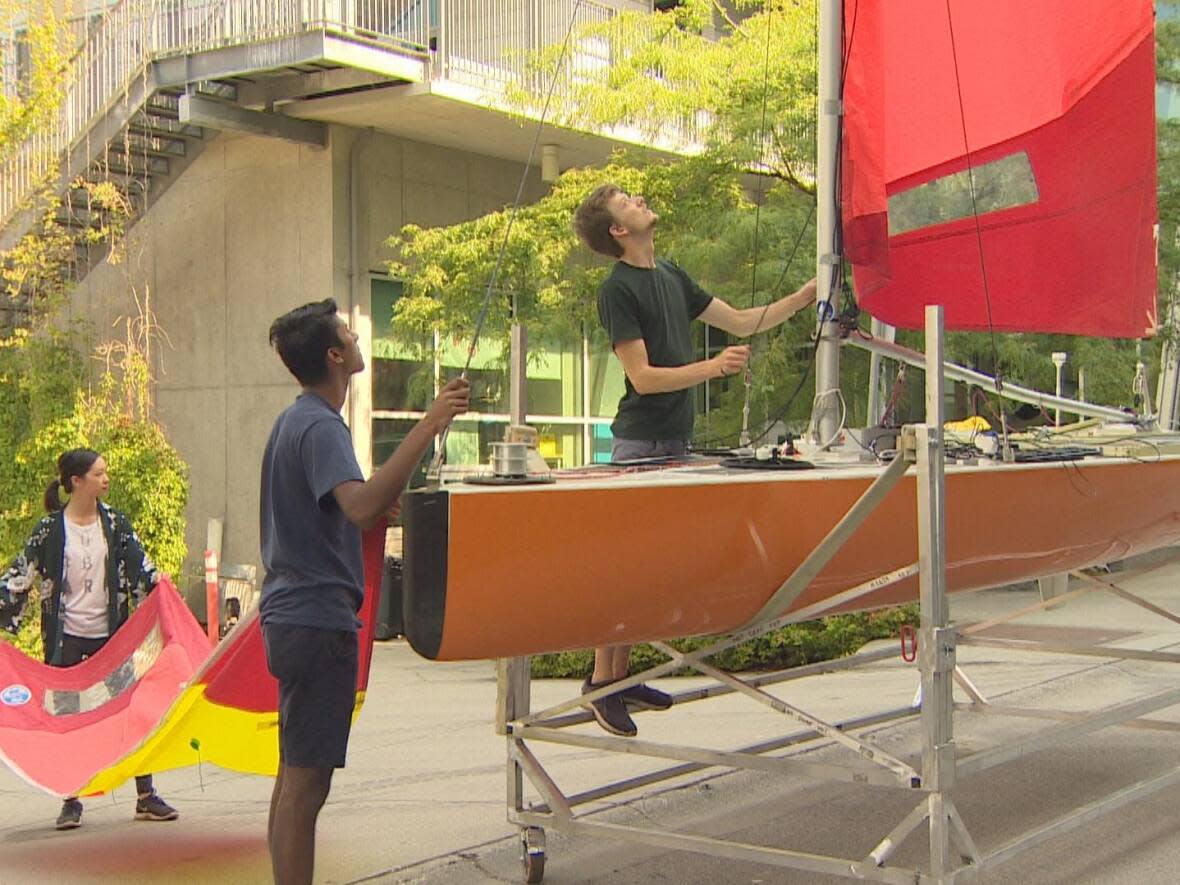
(360, 320)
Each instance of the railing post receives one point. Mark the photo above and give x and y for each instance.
(443, 51)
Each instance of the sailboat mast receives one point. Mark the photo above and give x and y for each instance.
(826, 410)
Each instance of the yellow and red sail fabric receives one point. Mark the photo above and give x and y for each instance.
(157, 696)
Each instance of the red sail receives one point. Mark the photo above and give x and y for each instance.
(1051, 105)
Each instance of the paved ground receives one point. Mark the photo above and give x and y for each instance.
(423, 797)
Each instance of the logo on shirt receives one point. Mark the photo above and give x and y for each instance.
(15, 695)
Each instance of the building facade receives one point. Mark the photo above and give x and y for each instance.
(271, 149)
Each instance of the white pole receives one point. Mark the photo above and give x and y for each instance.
(1168, 388)
(518, 372)
(827, 366)
(876, 405)
(1059, 363)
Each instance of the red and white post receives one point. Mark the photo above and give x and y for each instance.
(212, 608)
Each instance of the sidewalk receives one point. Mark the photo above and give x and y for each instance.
(423, 797)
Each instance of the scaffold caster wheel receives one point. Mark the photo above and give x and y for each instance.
(532, 854)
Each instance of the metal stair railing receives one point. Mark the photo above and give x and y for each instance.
(133, 33)
(480, 43)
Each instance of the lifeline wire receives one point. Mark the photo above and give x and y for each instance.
(974, 204)
(748, 375)
(440, 455)
(837, 246)
(978, 229)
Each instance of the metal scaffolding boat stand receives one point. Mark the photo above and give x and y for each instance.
(953, 855)
(873, 765)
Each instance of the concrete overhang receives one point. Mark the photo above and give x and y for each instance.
(466, 118)
(287, 53)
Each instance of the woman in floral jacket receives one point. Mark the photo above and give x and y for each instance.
(91, 566)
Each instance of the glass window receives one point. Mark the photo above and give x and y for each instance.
(469, 442)
(606, 377)
(488, 372)
(403, 367)
(1000, 184)
(560, 444)
(715, 341)
(387, 436)
(555, 380)
(402, 385)
(601, 440)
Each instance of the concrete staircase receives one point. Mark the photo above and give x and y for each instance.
(121, 118)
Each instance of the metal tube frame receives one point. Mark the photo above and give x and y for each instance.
(953, 854)
(1014, 392)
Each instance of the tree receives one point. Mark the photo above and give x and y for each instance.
(1168, 150)
(32, 107)
(758, 81)
(50, 399)
(744, 83)
(706, 224)
(745, 237)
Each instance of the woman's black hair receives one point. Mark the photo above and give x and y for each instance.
(75, 462)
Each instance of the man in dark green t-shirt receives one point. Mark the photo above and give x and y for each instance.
(647, 306)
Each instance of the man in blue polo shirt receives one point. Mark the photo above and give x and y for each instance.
(315, 502)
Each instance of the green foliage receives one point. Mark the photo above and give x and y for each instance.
(28, 639)
(150, 484)
(148, 479)
(1167, 41)
(34, 106)
(40, 375)
(1024, 359)
(792, 646)
(45, 395)
(1168, 153)
(747, 93)
(707, 224)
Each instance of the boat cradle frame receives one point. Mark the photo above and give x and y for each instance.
(953, 854)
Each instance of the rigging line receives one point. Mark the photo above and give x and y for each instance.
(843, 72)
(787, 267)
(848, 44)
(483, 313)
(781, 413)
(823, 317)
(748, 375)
(709, 441)
(974, 204)
(761, 159)
(440, 455)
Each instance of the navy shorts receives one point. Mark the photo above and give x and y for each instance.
(316, 670)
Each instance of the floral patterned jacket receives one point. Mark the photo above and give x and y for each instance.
(130, 575)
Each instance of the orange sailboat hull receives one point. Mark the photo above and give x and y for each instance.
(505, 571)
